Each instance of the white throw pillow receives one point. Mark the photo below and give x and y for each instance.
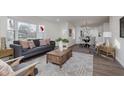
(5, 69)
(31, 44)
(24, 43)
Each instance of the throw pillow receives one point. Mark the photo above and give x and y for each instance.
(31, 44)
(24, 43)
(48, 41)
(42, 42)
(5, 69)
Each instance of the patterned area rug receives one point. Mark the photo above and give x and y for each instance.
(79, 64)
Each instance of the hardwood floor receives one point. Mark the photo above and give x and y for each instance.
(103, 66)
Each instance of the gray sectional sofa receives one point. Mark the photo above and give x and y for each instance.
(19, 51)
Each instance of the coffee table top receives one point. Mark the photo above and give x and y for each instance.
(57, 52)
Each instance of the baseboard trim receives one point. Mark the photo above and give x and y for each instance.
(120, 61)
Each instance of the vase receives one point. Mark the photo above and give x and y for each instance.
(65, 46)
(107, 43)
(61, 46)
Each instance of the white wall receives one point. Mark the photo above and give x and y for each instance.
(116, 40)
(105, 27)
(52, 30)
(72, 39)
(3, 27)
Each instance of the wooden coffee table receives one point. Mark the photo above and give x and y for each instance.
(58, 57)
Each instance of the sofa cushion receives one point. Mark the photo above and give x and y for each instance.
(47, 41)
(5, 69)
(24, 43)
(33, 50)
(31, 44)
(43, 42)
(25, 49)
(39, 49)
(36, 42)
(45, 46)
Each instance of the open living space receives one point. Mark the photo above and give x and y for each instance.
(61, 45)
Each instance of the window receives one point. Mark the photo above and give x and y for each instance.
(26, 30)
(17, 30)
(10, 30)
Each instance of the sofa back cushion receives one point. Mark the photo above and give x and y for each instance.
(24, 43)
(31, 44)
(36, 42)
(43, 42)
(5, 69)
(48, 41)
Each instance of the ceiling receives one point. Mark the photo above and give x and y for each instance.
(75, 20)
(78, 20)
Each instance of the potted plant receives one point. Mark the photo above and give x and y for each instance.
(60, 42)
(65, 43)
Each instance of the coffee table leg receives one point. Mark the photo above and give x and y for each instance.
(47, 59)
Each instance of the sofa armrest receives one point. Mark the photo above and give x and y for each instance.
(27, 67)
(17, 50)
(14, 61)
(53, 44)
